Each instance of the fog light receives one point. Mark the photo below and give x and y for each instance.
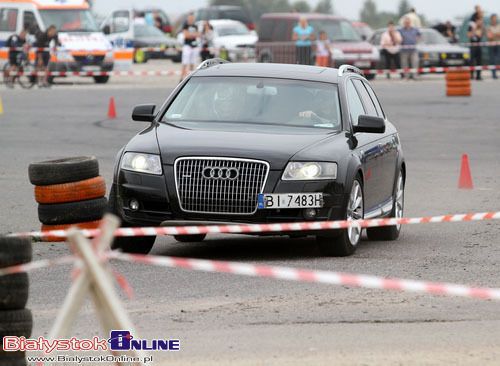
(134, 204)
(310, 213)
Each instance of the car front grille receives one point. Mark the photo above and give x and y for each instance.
(89, 60)
(219, 185)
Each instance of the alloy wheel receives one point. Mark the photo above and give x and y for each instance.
(355, 211)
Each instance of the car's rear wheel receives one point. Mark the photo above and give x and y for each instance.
(391, 232)
(190, 238)
(345, 244)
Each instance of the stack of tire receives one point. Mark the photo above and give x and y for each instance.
(458, 83)
(69, 192)
(15, 320)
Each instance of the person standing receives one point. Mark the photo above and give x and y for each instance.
(44, 40)
(389, 42)
(303, 35)
(18, 46)
(323, 54)
(409, 55)
(493, 34)
(207, 37)
(190, 50)
(476, 32)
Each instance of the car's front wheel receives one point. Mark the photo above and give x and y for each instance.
(345, 244)
(391, 232)
(133, 245)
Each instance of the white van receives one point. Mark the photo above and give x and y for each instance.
(83, 46)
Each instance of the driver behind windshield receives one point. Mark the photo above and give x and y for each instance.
(323, 111)
(227, 102)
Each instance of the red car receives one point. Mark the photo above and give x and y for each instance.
(276, 44)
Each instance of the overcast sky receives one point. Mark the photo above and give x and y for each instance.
(433, 9)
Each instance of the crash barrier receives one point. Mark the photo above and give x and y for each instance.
(458, 83)
(69, 192)
(155, 73)
(15, 319)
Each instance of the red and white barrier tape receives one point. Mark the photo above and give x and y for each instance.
(270, 228)
(419, 70)
(305, 275)
(44, 263)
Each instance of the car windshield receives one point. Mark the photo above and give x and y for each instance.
(142, 30)
(433, 38)
(337, 30)
(70, 20)
(234, 29)
(256, 101)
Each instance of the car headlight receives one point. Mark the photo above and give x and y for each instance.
(310, 171)
(466, 56)
(142, 163)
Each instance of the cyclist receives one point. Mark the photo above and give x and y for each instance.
(43, 43)
(18, 46)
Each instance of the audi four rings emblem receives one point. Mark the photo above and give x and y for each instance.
(211, 172)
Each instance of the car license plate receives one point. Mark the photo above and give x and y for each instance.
(455, 62)
(91, 68)
(290, 200)
(362, 63)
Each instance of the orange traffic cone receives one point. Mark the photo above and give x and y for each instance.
(112, 108)
(465, 181)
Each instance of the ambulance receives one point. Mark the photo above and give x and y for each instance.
(84, 48)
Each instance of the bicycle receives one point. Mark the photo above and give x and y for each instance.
(25, 74)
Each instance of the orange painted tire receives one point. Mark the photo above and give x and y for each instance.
(458, 76)
(54, 239)
(71, 192)
(458, 92)
(458, 84)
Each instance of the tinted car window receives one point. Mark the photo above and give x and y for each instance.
(30, 23)
(8, 20)
(380, 112)
(337, 30)
(365, 97)
(266, 29)
(355, 105)
(240, 101)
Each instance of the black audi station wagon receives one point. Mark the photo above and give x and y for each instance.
(263, 143)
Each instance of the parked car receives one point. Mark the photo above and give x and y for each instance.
(275, 40)
(363, 29)
(234, 37)
(433, 49)
(262, 143)
(123, 30)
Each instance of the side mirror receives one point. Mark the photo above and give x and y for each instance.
(106, 30)
(364, 37)
(370, 124)
(144, 113)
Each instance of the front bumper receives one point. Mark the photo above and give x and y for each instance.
(74, 66)
(157, 197)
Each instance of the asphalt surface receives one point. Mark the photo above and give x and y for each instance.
(224, 319)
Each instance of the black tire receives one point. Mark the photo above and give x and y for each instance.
(388, 233)
(101, 79)
(27, 80)
(73, 212)
(190, 238)
(7, 79)
(13, 358)
(14, 291)
(15, 251)
(340, 245)
(18, 323)
(66, 170)
(139, 245)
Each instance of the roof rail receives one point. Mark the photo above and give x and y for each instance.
(211, 62)
(350, 68)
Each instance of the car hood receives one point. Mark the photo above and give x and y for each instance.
(274, 147)
(231, 42)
